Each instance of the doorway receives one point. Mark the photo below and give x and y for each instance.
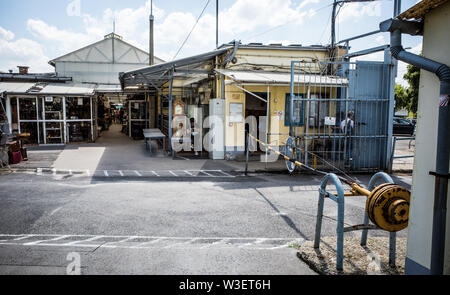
(257, 108)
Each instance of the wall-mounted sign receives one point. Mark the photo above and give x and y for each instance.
(236, 112)
(80, 101)
(49, 99)
(330, 121)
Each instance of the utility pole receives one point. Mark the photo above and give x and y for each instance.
(217, 24)
(337, 3)
(151, 59)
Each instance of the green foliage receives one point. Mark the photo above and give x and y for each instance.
(401, 98)
(407, 98)
(413, 78)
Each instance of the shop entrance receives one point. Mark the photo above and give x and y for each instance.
(255, 107)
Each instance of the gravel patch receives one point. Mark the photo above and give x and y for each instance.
(372, 259)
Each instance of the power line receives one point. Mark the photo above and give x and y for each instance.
(185, 40)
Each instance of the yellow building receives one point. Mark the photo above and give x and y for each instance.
(252, 80)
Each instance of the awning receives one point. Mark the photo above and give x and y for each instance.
(68, 89)
(12, 87)
(160, 73)
(106, 88)
(47, 89)
(265, 78)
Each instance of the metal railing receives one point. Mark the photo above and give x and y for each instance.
(393, 156)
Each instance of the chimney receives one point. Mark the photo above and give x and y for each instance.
(23, 70)
(151, 59)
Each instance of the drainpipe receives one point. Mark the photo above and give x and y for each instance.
(397, 27)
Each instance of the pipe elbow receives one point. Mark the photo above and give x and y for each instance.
(443, 72)
(395, 51)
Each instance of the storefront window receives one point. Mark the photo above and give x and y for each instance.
(27, 108)
(53, 108)
(299, 110)
(78, 108)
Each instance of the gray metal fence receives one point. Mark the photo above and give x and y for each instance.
(341, 114)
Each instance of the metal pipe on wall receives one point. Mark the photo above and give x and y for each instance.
(443, 142)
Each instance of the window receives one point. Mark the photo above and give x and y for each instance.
(299, 110)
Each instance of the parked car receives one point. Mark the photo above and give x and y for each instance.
(403, 127)
(412, 121)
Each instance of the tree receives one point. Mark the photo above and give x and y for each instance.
(407, 98)
(413, 77)
(401, 97)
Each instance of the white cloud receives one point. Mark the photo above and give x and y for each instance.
(21, 52)
(246, 15)
(380, 40)
(356, 11)
(6, 35)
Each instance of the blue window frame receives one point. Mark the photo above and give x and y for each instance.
(299, 110)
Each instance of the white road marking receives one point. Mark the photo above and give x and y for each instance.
(147, 243)
(187, 172)
(46, 240)
(56, 210)
(82, 241)
(24, 237)
(167, 242)
(203, 171)
(107, 173)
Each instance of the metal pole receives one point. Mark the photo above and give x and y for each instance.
(217, 24)
(291, 101)
(246, 152)
(65, 118)
(267, 120)
(170, 115)
(333, 30)
(151, 58)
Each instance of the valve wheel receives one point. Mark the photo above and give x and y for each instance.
(388, 207)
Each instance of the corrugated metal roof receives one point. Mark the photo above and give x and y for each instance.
(281, 78)
(68, 89)
(13, 87)
(105, 88)
(419, 10)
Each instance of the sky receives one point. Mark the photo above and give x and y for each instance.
(34, 32)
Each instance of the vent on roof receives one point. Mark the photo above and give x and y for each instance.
(315, 45)
(275, 44)
(36, 88)
(295, 45)
(255, 44)
(23, 70)
(113, 35)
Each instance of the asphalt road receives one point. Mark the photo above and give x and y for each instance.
(170, 224)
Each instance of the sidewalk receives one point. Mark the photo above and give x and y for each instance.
(115, 151)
